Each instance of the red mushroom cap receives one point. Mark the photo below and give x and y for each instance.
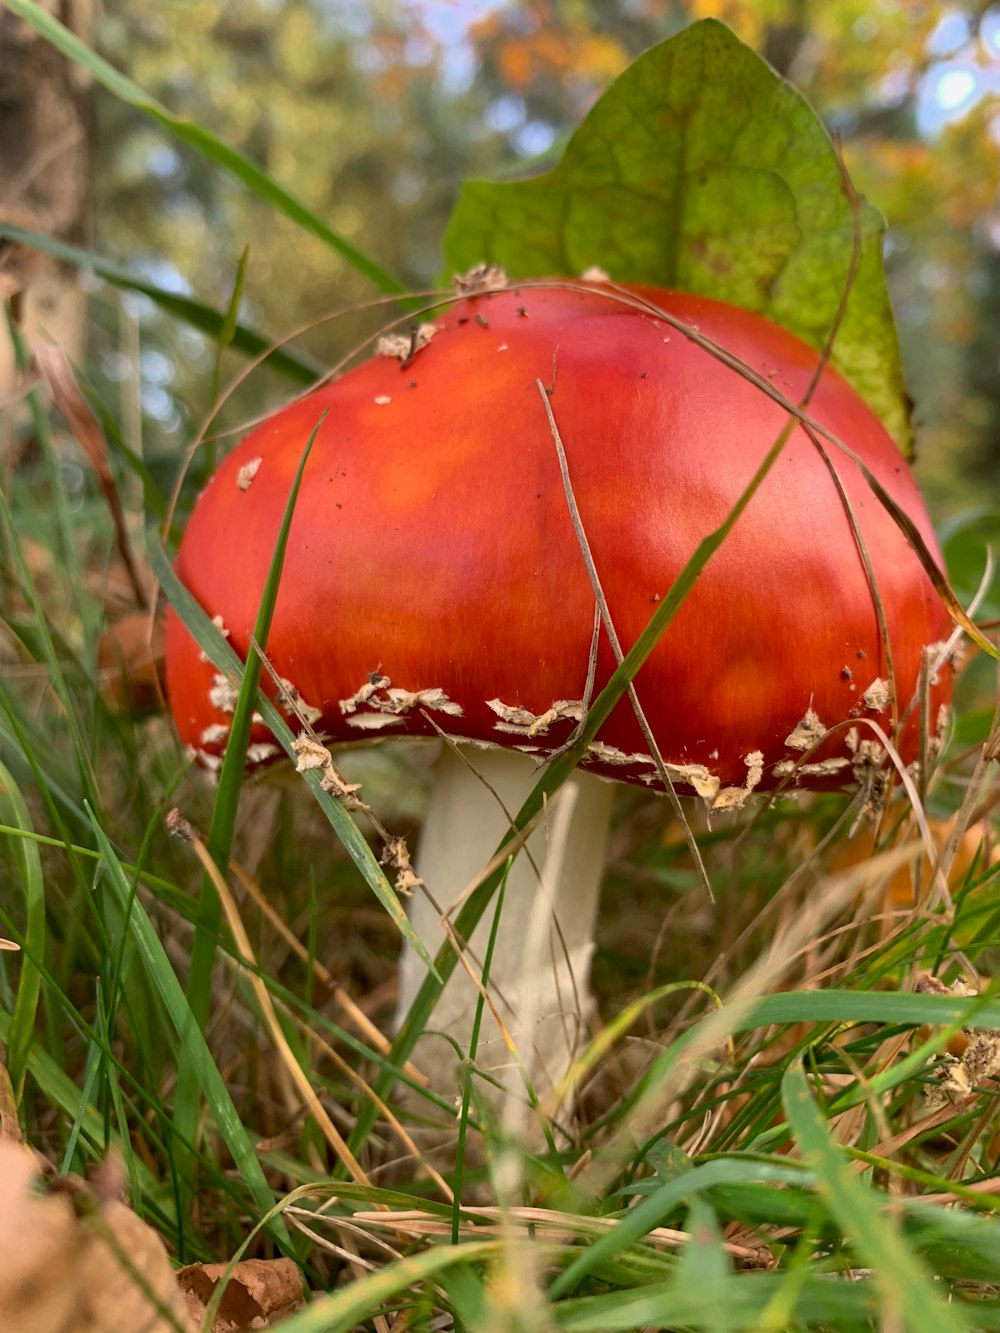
(433, 575)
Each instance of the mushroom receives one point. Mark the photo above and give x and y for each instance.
(434, 583)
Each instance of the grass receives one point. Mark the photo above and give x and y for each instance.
(761, 1135)
(758, 1151)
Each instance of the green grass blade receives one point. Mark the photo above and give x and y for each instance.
(556, 774)
(819, 1303)
(48, 655)
(92, 1071)
(639, 1220)
(187, 1101)
(28, 861)
(911, 1299)
(211, 641)
(202, 317)
(191, 1038)
(855, 1006)
(703, 1261)
(344, 1311)
(207, 145)
(62, 1093)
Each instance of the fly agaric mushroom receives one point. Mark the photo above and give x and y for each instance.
(434, 582)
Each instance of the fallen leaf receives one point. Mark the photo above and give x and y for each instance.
(259, 1293)
(74, 1262)
(130, 661)
(54, 367)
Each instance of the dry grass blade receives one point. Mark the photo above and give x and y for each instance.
(10, 1125)
(189, 834)
(391, 1119)
(609, 628)
(478, 1222)
(57, 373)
(354, 1014)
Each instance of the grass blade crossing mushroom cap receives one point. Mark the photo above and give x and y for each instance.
(433, 575)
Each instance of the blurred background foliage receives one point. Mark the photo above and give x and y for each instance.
(374, 113)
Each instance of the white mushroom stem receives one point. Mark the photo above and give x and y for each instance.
(539, 977)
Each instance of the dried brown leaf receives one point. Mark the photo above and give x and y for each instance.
(130, 660)
(73, 1263)
(55, 369)
(259, 1293)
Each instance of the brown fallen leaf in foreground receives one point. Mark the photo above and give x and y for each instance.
(258, 1294)
(130, 663)
(78, 1261)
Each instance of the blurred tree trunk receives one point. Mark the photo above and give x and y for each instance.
(44, 174)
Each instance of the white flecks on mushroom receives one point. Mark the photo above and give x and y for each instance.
(809, 731)
(292, 702)
(247, 473)
(941, 654)
(402, 701)
(404, 346)
(518, 721)
(209, 761)
(823, 768)
(397, 856)
(868, 768)
(480, 278)
(372, 685)
(311, 755)
(382, 400)
(878, 695)
(512, 715)
(215, 734)
(260, 751)
(380, 696)
(610, 754)
(217, 622)
(704, 782)
(594, 274)
(375, 721)
(734, 798)
(222, 695)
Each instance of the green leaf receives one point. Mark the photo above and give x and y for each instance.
(911, 1300)
(701, 169)
(668, 1161)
